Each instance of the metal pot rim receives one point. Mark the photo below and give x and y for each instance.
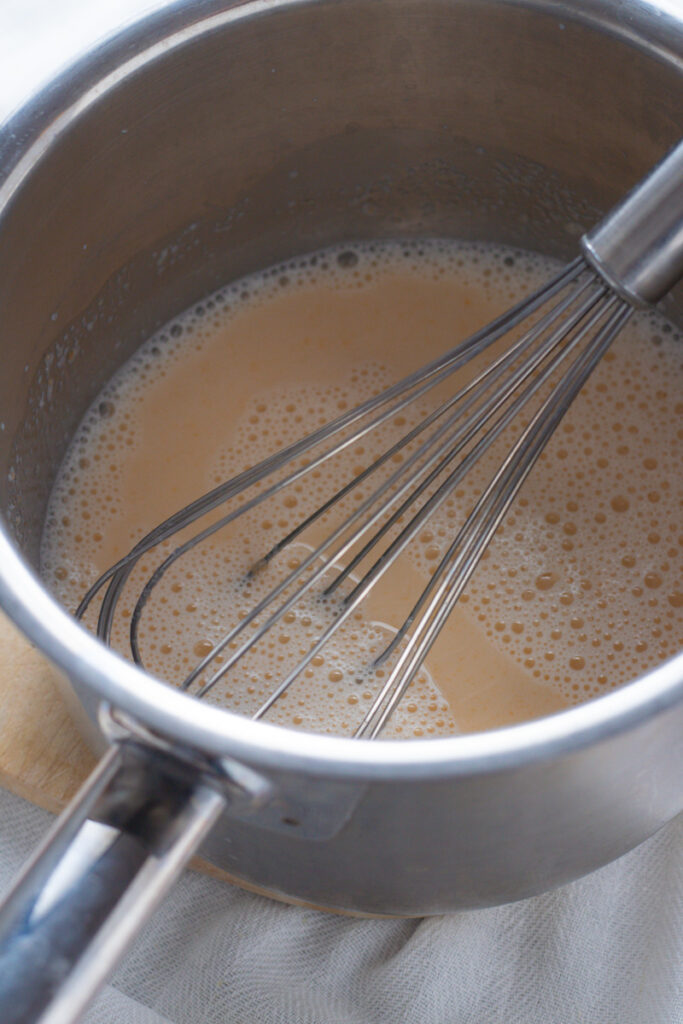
(219, 733)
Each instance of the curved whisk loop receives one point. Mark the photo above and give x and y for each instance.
(553, 347)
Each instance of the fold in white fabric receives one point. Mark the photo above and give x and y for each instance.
(607, 949)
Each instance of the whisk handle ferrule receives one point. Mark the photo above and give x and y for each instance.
(638, 247)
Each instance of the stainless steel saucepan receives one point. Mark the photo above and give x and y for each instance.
(207, 141)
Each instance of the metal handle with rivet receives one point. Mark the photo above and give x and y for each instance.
(98, 876)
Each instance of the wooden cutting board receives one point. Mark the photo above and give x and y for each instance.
(42, 756)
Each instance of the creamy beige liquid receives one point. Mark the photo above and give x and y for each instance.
(580, 590)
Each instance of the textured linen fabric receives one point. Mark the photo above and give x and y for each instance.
(607, 949)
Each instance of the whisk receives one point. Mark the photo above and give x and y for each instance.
(556, 338)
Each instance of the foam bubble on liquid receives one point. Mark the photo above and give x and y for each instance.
(581, 586)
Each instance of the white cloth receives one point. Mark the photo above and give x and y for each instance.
(607, 949)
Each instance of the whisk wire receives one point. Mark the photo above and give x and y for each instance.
(487, 439)
(473, 388)
(361, 590)
(462, 427)
(470, 428)
(364, 586)
(456, 442)
(489, 375)
(484, 520)
(116, 575)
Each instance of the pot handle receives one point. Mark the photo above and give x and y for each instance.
(98, 875)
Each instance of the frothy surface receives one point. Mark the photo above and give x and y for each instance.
(580, 590)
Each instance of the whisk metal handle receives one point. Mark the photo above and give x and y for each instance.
(638, 247)
(98, 876)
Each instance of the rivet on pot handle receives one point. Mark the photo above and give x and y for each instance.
(99, 874)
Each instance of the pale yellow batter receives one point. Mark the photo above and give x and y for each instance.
(581, 590)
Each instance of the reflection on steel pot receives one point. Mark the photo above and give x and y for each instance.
(207, 141)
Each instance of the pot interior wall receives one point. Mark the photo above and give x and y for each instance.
(281, 131)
